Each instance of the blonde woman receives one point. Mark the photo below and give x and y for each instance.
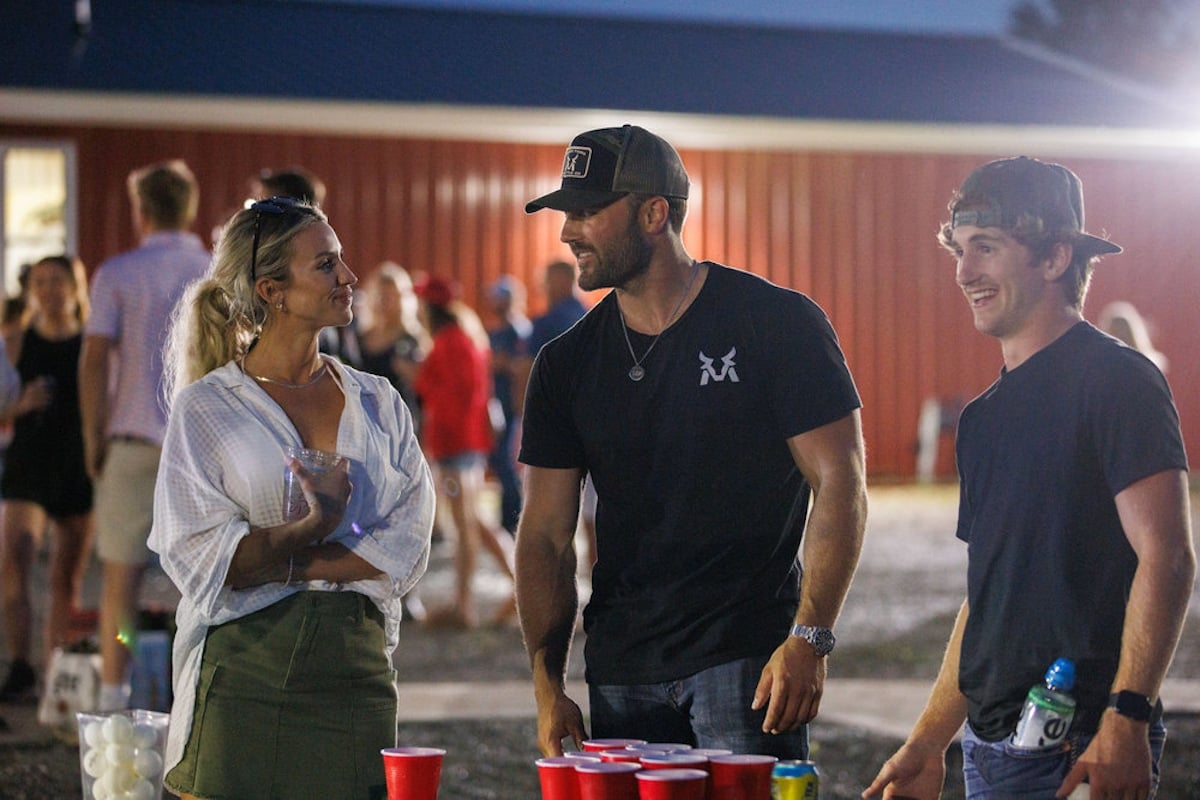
(393, 342)
(285, 628)
(45, 479)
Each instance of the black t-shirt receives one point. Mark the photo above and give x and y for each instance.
(1042, 455)
(700, 506)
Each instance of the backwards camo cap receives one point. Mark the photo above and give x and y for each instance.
(1001, 194)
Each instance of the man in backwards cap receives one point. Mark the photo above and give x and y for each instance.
(707, 405)
(1074, 507)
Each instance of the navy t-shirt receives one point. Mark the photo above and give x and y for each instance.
(700, 506)
(1042, 455)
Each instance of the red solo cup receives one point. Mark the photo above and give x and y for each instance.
(663, 747)
(584, 754)
(624, 754)
(557, 776)
(685, 760)
(413, 773)
(709, 752)
(672, 784)
(741, 777)
(596, 745)
(607, 780)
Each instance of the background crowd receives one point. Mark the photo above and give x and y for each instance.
(460, 371)
(389, 415)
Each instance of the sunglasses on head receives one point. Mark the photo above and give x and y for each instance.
(275, 206)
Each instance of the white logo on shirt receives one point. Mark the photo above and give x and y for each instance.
(727, 368)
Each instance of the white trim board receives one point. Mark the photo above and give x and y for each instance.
(557, 126)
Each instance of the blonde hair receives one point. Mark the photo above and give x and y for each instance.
(1122, 320)
(221, 315)
(389, 272)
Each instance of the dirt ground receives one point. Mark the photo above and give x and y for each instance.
(910, 581)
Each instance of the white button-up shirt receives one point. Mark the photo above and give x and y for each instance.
(222, 471)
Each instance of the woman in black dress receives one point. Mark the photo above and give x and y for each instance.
(44, 479)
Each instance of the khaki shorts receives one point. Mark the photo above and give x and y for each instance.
(125, 501)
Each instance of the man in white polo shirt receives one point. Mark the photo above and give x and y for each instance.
(120, 374)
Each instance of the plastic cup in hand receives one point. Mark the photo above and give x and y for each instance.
(412, 773)
(121, 754)
(315, 461)
(607, 780)
(741, 776)
(672, 784)
(558, 778)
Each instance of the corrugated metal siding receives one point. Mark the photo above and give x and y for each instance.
(855, 231)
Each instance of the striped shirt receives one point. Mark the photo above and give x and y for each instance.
(132, 297)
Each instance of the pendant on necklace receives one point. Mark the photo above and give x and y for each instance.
(636, 373)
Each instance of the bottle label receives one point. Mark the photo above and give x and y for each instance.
(1044, 722)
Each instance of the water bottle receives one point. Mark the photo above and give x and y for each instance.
(1048, 710)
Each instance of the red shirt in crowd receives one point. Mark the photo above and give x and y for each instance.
(454, 384)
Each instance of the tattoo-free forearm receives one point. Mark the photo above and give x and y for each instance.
(548, 600)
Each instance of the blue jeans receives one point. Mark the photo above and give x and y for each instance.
(998, 771)
(708, 709)
(501, 462)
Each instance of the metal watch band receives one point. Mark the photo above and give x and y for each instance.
(821, 639)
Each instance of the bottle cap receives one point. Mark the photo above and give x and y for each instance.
(1061, 675)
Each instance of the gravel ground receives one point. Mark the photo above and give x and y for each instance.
(910, 582)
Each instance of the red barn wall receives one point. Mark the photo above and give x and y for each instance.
(854, 230)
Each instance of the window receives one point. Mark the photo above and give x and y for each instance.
(38, 204)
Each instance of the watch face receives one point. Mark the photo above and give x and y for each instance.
(1132, 705)
(821, 640)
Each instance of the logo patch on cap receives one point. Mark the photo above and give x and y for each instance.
(576, 162)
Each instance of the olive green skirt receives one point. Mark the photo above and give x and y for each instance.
(295, 700)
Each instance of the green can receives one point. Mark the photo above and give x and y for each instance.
(794, 780)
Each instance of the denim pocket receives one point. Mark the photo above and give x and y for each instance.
(1012, 772)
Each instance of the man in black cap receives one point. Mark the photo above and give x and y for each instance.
(708, 406)
(1074, 506)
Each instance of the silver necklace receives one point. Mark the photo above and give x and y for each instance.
(637, 372)
(264, 379)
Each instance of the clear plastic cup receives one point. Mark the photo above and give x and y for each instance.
(121, 754)
(315, 461)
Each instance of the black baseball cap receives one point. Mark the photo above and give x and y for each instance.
(1001, 193)
(603, 165)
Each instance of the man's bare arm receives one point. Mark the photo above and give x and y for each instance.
(548, 597)
(93, 400)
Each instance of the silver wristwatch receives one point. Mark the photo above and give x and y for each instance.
(821, 639)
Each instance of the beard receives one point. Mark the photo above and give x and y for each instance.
(616, 264)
